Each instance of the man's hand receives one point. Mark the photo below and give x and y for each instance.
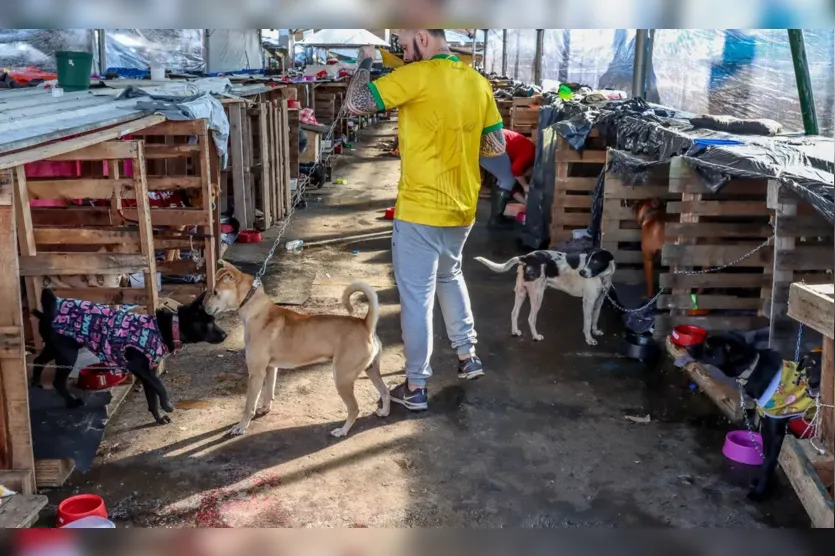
(366, 52)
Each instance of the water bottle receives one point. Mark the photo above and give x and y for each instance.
(295, 246)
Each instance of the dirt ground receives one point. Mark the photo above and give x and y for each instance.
(540, 441)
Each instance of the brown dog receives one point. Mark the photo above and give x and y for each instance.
(651, 215)
(278, 338)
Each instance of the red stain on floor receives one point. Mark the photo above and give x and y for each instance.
(221, 508)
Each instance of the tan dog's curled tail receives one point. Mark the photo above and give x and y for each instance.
(496, 267)
(373, 303)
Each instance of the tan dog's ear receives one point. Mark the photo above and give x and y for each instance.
(224, 264)
(227, 276)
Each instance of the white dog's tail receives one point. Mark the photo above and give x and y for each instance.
(373, 303)
(496, 267)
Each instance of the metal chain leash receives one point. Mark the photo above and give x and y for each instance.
(689, 273)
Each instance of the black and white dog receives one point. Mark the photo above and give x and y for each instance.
(586, 275)
(781, 389)
(109, 335)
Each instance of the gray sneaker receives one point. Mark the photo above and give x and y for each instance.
(471, 368)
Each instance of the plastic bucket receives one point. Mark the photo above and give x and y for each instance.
(74, 69)
(91, 522)
(77, 507)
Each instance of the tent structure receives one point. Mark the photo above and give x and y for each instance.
(341, 38)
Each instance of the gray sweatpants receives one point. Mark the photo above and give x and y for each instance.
(501, 168)
(427, 260)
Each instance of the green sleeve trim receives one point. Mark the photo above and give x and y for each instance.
(381, 106)
(492, 128)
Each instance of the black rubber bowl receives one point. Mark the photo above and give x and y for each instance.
(638, 346)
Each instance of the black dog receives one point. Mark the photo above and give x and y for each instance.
(762, 374)
(189, 325)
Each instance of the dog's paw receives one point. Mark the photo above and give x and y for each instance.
(75, 402)
(164, 420)
(237, 430)
(262, 411)
(597, 332)
(538, 337)
(591, 341)
(516, 332)
(167, 407)
(383, 412)
(338, 433)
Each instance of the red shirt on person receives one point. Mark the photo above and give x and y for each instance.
(521, 150)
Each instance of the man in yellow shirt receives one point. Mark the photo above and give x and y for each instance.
(447, 118)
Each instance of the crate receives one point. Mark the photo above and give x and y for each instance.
(620, 229)
(713, 230)
(505, 107)
(576, 178)
(525, 120)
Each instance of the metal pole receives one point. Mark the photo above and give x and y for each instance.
(484, 51)
(100, 45)
(639, 69)
(504, 52)
(537, 62)
(475, 38)
(804, 82)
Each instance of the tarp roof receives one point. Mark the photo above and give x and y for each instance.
(336, 38)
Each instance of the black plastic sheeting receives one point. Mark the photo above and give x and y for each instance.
(648, 135)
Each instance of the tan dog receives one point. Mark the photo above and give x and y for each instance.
(278, 338)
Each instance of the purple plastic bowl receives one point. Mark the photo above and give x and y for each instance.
(739, 448)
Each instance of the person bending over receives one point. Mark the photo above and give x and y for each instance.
(511, 171)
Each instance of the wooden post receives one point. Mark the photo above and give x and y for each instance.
(285, 139)
(15, 430)
(248, 161)
(782, 328)
(680, 171)
(236, 159)
(146, 231)
(207, 177)
(266, 167)
(27, 246)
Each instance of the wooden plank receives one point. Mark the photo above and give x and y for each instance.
(183, 127)
(726, 302)
(266, 181)
(714, 280)
(714, 255)
(27, 247)
(573, 201)
(719, 208)
(567, 155)
(813, 306)
(796, 464)
(717, 229)
(804, 226)
(236, 158)
(109, 150)
(208, 228)
(58, 148)
(84, 188)
(180, 268)
(146, 232)
(53, 473)
(575, 184)
(805, 257)
(15, 430)
(723, 394)
(173, 216)
(21, 482)
(782, 329)
(21, 511)
(168, 183)
(615, 189)
(72, 216)
(291, 162)
(249, 176)
(184, 293)
(739, 186)
(66, 264)
(162, 151)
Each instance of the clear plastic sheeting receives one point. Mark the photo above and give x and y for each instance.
(234, 50)
(174, 49)
(22, 48)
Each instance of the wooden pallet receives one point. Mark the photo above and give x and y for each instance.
(525, 120)
(810, 474)
(505, 107)
(577, 174)
(621, 231)
(715, 230)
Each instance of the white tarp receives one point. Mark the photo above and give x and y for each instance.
(336, 38)
(234, 50)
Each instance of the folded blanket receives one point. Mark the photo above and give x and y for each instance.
(729, 124)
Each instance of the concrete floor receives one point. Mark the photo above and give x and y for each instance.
(541, 441)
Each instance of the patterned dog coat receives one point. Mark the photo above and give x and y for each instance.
(786, 396)
(108, 332)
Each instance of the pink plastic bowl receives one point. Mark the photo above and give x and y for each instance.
(739, 448)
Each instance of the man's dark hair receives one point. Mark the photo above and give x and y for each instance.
(437, 33)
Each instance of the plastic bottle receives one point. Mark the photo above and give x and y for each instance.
(295, 246)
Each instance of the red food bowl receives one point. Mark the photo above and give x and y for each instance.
(294, 104)
(249, 236)
(96, 378)
(389, 213)
(800, 429)
(83, 505)
(688, 335)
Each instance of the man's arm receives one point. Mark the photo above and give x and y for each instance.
(492, 144)
(359, 99)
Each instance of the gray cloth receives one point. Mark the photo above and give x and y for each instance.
(737, 126)
(501, 168)
(427, 261)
